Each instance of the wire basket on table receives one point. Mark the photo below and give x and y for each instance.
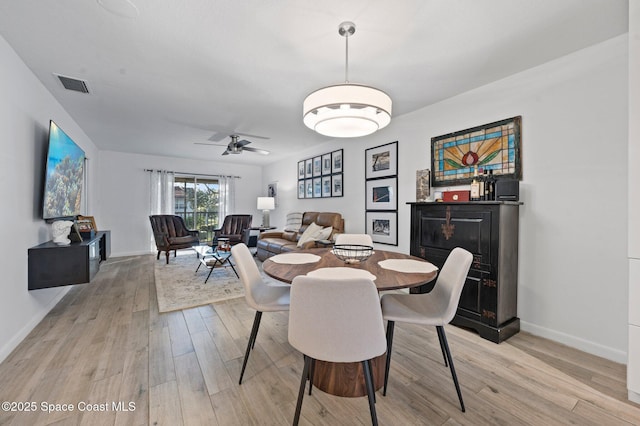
(352, 253)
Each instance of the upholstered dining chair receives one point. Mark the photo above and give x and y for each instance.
(357, 239)
(336, 320)
(436, 308)
(261, 296)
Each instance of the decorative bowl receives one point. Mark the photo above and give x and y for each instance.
(352, 253)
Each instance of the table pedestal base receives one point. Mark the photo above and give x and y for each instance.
(347, 378)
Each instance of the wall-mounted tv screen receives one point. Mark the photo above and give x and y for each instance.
(64, 176)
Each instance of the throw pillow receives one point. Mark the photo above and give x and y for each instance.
(324, 234)
(309, 234)
(294, 222)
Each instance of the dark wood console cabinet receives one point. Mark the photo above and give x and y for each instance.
(51, 265)
(489, 230)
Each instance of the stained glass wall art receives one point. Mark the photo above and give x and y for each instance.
(495, 146)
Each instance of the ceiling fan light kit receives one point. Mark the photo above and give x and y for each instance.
(347, 110)
(236, 147)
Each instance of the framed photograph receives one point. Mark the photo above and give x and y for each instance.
(455, 157)
(336, 185)
(326, 186)
(326, 164)
(308, 168)
(317, 166)
(383, 227)
(423, 182)
(86, 224)
(381, 161)
(301, 174)
(382, 194)
(336, 161)
(301, 189)
(317, 187)
(272, 191)
(308, 185)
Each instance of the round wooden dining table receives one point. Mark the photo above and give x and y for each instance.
(347, 379)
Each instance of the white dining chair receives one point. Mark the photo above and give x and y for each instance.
(336, 320)
(261, 296)
(436, 308)
(355, 239)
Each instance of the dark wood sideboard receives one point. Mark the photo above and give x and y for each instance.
(489, 230)
(52, 265)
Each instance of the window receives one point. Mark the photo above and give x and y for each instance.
(197, 201)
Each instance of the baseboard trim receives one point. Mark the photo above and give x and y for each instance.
(588, 346)
(17, 338)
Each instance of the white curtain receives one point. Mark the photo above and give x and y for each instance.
(227, 196)
(162, 196)
(161, 200)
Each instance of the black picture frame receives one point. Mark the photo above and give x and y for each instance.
(382, 194)
(382, 227)
(337, 186)
(326, 186)
(321, 176)
(337, 161)
(381, 161)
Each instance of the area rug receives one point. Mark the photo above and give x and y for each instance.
(178, 286)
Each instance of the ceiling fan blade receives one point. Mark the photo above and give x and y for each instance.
(251, 136)
(209, 144)
(226, 152)
(242, 143)
(257, 150)
(217, 137)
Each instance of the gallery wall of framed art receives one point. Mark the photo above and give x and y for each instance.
(381, 192)
(321, 176)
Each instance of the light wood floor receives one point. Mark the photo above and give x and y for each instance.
(105, 342)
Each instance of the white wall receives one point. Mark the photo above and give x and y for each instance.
(124, 194)
(633, 366)
(25, 110)
(573, 230)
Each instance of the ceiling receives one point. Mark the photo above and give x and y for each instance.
(165, 74)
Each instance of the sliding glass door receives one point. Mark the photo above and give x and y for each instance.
(197, 200)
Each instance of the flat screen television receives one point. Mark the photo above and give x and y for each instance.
(64, 176)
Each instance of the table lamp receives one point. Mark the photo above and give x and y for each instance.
(265, 204)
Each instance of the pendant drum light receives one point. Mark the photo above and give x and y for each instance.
(347, 110)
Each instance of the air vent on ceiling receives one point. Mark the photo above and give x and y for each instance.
(73, 84)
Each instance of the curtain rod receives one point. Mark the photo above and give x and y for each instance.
(191, 174)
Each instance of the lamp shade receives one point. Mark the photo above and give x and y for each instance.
(347, 110)
(266, 203)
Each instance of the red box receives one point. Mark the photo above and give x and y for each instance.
(455, 196)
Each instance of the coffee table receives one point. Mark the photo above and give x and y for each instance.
(211, 258)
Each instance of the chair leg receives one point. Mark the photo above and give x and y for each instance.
(444, 354)
(167, 255)
(303, 381)
(311, 371)
(158, 256)
(371, 373)
(252, 339)
(440, 330)
(368, 381)
(253, 345)
(390, 327)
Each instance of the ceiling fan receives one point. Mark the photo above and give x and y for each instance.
(236, 146)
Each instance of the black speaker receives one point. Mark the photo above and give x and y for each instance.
(507, 190)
